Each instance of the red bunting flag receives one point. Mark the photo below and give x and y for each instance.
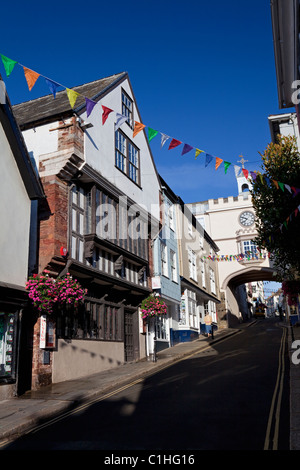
(105, 114)
(246, 172)
(174, 143)
(138, 126)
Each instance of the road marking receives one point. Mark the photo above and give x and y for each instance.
(277, 393)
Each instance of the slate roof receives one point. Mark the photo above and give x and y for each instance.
(47, 108)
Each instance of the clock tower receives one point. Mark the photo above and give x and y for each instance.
(230, 222)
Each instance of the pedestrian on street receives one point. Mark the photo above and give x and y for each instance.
(208, 324)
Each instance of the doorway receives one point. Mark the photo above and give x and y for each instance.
(131, 339)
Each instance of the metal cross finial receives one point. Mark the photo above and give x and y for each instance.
(242, 161)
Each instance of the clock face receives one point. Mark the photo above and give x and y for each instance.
(247, 218)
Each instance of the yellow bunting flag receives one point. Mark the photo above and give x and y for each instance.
(72, 95)
(197, 153)
(138, 126)
(218, 162)
(31, 77)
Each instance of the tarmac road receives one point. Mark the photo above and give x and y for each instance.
(232, 395)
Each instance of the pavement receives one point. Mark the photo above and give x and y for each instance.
(20, 415)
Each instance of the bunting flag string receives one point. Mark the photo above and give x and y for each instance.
(32, 76)
(247, 255)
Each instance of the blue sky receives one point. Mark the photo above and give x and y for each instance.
(202, 72)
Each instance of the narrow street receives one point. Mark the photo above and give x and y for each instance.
(233, 395)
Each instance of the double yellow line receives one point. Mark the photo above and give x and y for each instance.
(272, 443)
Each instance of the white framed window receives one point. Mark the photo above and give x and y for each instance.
(203, 277)
(249, 246)
(173, 264)
(127, 108)
(164, 259)
(192, 264)
(201, 241)
(212, 280)
(171, 217)
(192, 308)
(161, 328)
(127, 157)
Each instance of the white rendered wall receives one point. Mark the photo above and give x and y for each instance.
(14, 219)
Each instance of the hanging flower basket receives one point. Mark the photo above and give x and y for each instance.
(152, 306)
(46, 293)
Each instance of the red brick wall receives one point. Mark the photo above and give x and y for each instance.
(54, 228)
(70, 136)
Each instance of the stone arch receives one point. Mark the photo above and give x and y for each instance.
(249, 274)
(234, 313)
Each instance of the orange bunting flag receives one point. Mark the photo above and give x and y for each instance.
(31, 77)
(138, 126)
(218, 162)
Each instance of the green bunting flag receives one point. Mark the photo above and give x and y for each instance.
(151, 133)
(226, 166)
(8, 64)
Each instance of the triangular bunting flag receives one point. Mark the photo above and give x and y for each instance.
(253, 175)
(296, 212)
(8, 64)
(276, 183)
(52, 86)
(186, 148)
(31, 77)
(268, 181)
(246, 172)
(197, 153)
(72, 95)
(89, 106)
(237, 170)
(288, 188)
(208, 159)
(218, 162)
(261, 178)
(164, 139)
(138, 126)
(226, 166)
(281, 185)
(151, 133)
(295, 190)
(120, 120)
(105, 114)
(174, 143)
